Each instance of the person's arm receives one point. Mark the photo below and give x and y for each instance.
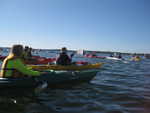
(69, 60)
(58, 59)
(25, 69)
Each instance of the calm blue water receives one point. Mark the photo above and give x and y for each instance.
(119, 87)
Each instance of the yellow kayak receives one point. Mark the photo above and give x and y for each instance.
(136, 59)
(69, 67)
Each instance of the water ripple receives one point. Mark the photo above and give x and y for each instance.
(119, 87)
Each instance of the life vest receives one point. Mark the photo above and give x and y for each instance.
(14, 72)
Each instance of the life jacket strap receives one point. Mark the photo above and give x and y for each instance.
(7, 69)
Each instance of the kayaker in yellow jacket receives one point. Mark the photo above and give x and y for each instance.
(13, 65)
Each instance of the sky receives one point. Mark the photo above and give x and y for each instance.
(101, 25)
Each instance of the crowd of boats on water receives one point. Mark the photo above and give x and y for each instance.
(79, 53)
(23, 72)
(115, 56)
(58, 75)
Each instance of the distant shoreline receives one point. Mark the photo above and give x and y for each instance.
(103, 52)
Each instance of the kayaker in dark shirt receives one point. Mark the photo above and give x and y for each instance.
(27, 56)
(63, 58)
(119, 56)
(28, 52)
(111, 55)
